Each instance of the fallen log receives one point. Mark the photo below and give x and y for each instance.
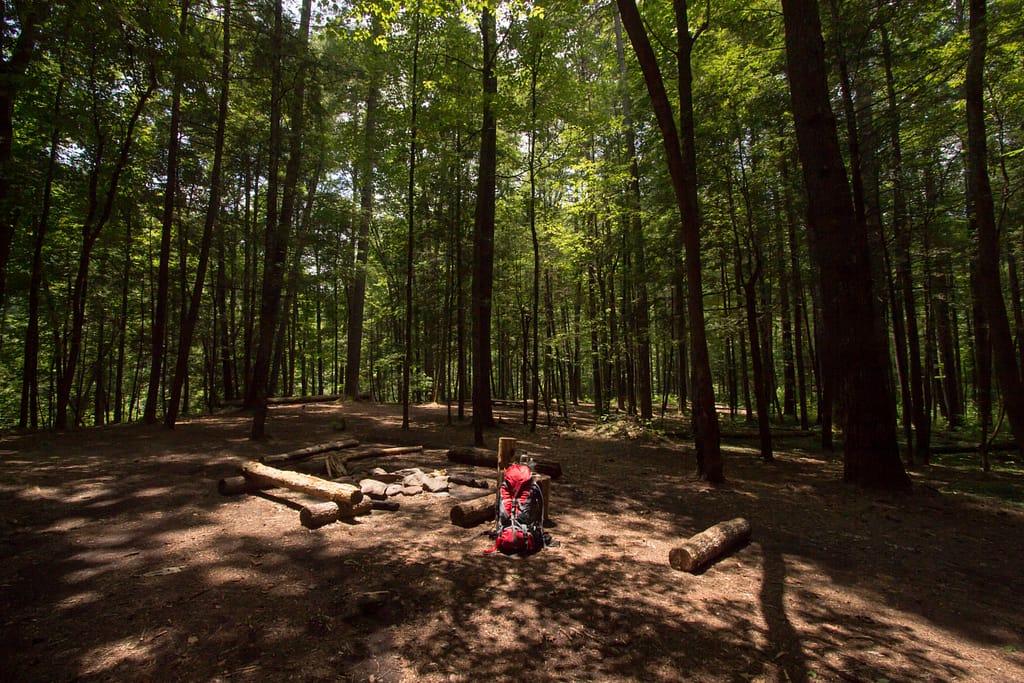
(472, 512)
(316, 515)
(700, 550)
(481, 457)
(386, 505)
(310, 451)
(337, 465)
(346, 495)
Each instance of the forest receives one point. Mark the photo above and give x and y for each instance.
(799, 216)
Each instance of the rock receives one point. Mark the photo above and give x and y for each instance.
(412, 490)
(435, 484)
(393, 489)
(373, 488)
(416, 478)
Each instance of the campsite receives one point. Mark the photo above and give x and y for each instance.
(124, 562)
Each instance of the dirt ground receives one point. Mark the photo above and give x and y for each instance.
(120, 561)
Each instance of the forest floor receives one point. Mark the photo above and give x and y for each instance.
(120, 561)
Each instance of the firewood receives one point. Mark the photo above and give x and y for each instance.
(310, 451)
(472, 512)
(700, 550)
(481, 457)
(343, 494)
(338, 465)
(316, 515)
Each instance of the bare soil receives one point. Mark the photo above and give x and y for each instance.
(120, 561)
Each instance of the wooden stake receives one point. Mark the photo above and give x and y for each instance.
(506, 453)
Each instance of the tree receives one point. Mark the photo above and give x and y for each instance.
(483, 235)
(840, 245)
(981, 213)
(681, 156)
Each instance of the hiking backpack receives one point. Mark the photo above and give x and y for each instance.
(520, 513)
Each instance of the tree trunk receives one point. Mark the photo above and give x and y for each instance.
(357, 290)
(159, 328)
(411, 234)
(840, 244)
(981, 213)
(97, 215)
(681, 154)
(14, 61)
(212, 211)
(279, 229)
(483, 238)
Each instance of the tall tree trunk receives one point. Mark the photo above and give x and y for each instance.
(410, 242)
(641, 308)
(279, 231)
(29, 410)
(483, 238)
(14, 61)
(357, 290)
(904, 265)
(871, 456)
(98, 214)
(981, 213)
(159, 327)
(681, 155)
(212, 211)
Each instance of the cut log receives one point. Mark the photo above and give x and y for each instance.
(388, 505)
(700, 550)
(360, 509)
(316, 515)
(338, 465)
(472, 512)
(309, 451)
(343, 494)
(481, 457)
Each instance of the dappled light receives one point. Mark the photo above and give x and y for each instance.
(134, 567)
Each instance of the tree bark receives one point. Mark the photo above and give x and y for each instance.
(212, 212)
(700, 550)
(981, 213)
(483, 238)
(279, 225)
(473, 512)
(13, 65)
(681, 155)
(840, 246)
(346, 495)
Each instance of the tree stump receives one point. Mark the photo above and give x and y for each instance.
(545, 488)
(472, 512)
(700, 550)
(345, 495)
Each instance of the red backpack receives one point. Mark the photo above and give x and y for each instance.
(520, 513)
